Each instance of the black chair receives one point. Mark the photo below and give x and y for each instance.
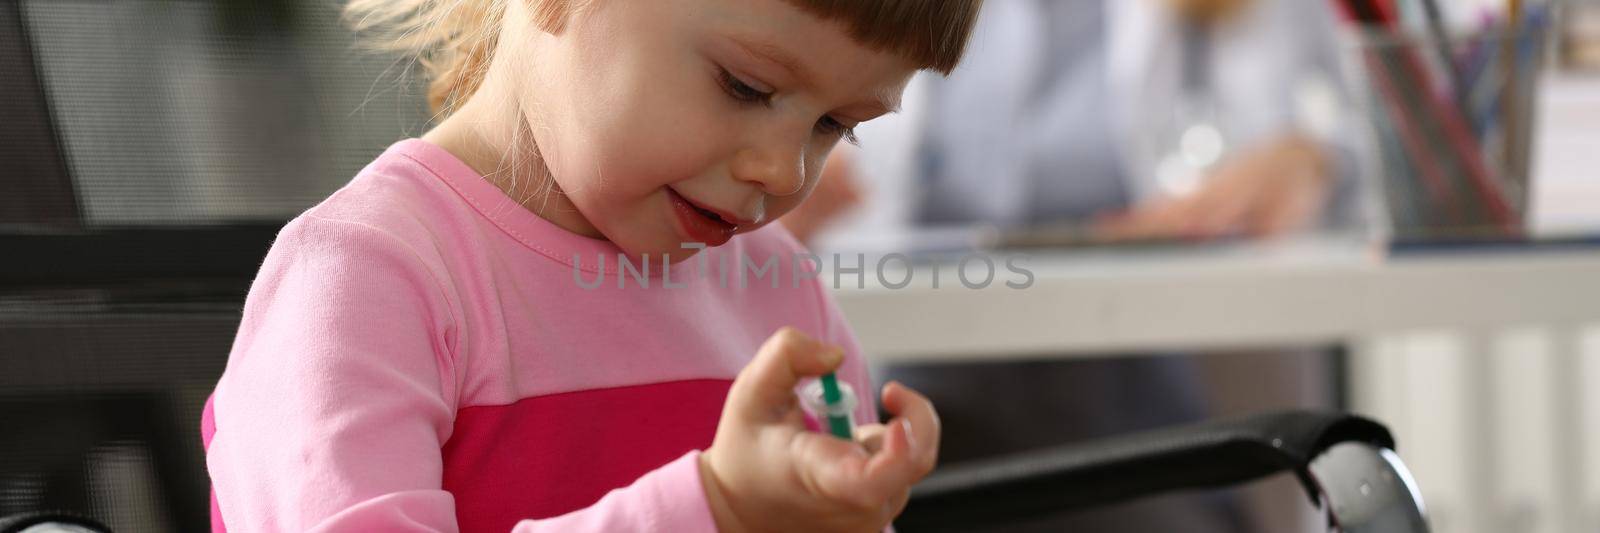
(46, 522)
(1346, 464)
(103, 386)
(50, 522)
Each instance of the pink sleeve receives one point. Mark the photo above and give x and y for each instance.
(340, 392)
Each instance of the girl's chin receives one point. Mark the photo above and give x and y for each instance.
(674, 253)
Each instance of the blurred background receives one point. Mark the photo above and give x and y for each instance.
(1228, 207)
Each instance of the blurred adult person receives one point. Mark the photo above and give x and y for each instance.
(1138, 119)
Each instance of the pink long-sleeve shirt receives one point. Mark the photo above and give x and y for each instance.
(420, 353)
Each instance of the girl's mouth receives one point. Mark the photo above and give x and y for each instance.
(700, 224)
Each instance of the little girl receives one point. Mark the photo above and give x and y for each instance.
(426, 351)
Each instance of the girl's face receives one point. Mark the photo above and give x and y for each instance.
(667, 122)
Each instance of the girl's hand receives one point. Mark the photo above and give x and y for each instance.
(766, 472)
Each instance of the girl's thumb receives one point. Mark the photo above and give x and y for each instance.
(786, 358)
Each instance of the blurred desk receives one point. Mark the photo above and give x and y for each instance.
(1099, 302)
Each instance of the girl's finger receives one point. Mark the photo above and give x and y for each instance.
(872, 483)
(896, 466)
(870, 437)
(834, 469)
(898, 503)
(764, 390)
(910, 442)
(922, 424)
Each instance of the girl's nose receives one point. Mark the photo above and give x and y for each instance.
(779, 170)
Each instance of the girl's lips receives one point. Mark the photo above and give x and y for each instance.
(700, 224)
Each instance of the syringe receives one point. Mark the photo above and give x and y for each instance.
(834, 404)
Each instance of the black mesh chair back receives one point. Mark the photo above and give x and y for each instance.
(149, 152)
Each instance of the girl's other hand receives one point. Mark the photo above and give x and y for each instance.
(766, 472)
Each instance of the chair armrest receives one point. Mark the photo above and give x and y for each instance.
(50, 521)
(1209, 454)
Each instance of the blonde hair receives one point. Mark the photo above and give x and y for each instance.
(454, 40)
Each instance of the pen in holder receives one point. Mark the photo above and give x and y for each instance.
(1449, 121)
(833, 404)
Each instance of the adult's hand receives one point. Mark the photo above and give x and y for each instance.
(837, 192)
(1268, 191)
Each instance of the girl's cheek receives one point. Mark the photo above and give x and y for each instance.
(778, 207)
(650, 162)
(675, 152)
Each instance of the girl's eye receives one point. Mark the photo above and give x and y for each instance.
(743, 92)
(830, 126)
(740, 90)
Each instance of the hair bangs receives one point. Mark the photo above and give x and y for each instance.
(932, 33)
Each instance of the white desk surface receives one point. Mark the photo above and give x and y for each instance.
(1228, 297)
